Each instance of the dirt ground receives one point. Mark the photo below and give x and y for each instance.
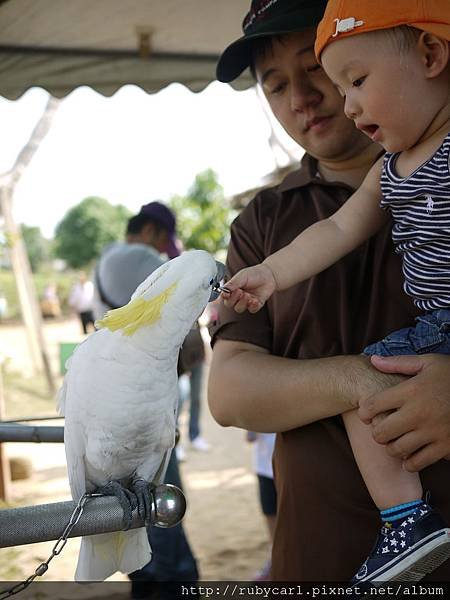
(223, 520)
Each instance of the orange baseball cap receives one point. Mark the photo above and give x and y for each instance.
(344, 18)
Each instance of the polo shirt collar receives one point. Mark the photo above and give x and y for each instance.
(306, 174)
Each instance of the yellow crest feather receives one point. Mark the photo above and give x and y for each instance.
(137, 313)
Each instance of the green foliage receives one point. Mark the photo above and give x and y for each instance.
(87, 228)
(38, 248)
(203, 215)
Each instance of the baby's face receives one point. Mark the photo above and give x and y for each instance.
(384, 89)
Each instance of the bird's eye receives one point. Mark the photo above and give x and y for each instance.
(212, 281)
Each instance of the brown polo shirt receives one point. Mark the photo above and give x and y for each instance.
(327, 522)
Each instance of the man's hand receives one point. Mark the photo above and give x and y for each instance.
(418, 429)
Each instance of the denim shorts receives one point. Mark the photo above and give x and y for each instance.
(431, 333)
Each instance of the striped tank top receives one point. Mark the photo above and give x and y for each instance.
(420, 207)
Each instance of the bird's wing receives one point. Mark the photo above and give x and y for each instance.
(75, 450)
(120, 406)
(132, 421)
(62, 393)
(71, 403)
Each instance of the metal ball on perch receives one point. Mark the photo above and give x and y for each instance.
(170, 506)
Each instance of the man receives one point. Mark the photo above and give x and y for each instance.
(151, 234)
(326, 520)
(123, 266)
(81, 299)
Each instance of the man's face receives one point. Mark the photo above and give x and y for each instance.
(156, 237)
(304, 100)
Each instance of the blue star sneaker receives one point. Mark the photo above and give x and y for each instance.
(408, 552)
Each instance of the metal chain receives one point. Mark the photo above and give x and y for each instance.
(57, 548)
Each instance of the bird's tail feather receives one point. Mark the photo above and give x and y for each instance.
(102, 555)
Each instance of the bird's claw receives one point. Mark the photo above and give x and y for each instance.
(144, 496)
(140, 496)
(127, 499)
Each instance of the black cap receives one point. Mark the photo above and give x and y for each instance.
(266, 18)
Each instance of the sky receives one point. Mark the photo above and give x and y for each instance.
(134, 147)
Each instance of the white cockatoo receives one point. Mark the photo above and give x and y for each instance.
(120, 397)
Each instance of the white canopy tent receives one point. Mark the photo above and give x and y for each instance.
(60, 45)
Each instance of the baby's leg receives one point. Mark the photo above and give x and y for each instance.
(413, 539)
(388, 483)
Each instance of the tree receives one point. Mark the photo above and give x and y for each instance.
(203, 215)
(36, 245)
(20, 263)
(87, 228)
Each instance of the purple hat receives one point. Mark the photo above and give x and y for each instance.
(159, 212)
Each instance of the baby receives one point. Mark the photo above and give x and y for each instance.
(391, 63)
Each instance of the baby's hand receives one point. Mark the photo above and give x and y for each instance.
(249, 289)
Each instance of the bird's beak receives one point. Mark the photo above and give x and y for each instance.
(216, 288)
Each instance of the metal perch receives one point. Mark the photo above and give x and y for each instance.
(12, 432)
(102, 514)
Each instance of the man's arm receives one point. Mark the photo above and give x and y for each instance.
(419, 429)
(251, 389)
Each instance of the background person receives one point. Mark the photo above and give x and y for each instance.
(196, 378)
(124, 265)
(257, 381)
(192, 384)
(264, 444)
(81, 299)
(50, 304)
(191, 388)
